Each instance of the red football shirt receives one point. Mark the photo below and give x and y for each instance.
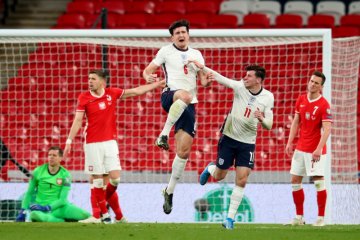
(100, 114)
(312, 113)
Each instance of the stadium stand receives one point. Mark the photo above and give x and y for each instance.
(302, 8)
(288, 21)
(333, 8)
(270, 8)
(236, 8)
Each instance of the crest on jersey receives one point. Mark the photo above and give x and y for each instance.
(102, 105)
(307, 115)
(221, 161)
(91, 168)
(252, 100)
(108, 97)
(59, 181)
(184, 58)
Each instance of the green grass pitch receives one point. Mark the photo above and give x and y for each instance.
(173, 231)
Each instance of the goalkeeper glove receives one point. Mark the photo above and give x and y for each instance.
(38, 207)
(21, 217)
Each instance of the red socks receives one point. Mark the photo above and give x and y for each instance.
(94, 205)
(113, 200)
(299, 198)
(100, 198)
(321, 201)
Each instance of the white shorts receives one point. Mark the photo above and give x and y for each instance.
(101, 157)
(302, 164)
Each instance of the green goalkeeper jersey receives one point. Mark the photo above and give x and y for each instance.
(48, 189)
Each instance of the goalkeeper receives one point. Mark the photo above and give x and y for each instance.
(46, 197)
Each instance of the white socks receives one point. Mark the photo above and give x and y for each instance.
(235, 200)
(178, 168)
(176, 109)
(212, 169)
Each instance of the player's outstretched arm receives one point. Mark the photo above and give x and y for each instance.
(142, 89)
(217, 76)
(75, 127)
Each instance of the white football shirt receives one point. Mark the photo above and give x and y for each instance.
(178, 73)
(241, 124)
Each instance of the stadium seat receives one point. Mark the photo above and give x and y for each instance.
(200, 7)
(81, 7)
(354, 7)
(129, 21)
(288, 21)
(256, 20)
(236, 8)
(223, 21)
(141, 7)
(321, 21)
(333, 8)
(114, 7)
(171, 7)
(352, 20)
(198, 20)
(163, 21)
(71, 20)
(345, 31)
(302, 8)
(270, 8)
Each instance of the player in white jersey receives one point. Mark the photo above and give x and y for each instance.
(178, 98)
(253, 105)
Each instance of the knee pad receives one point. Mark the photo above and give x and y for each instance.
(98, 183)
(296, 187)
(114, 182)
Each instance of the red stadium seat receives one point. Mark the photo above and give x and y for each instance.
(288, 21)
(223, 21)
(80, 7)
(114, 6)
(129, 21)
(352, 20)
(321, 21)
(71, 20)
(208, 7)
(198, 20)
(256, 20)
(142, 7)
(163, 21)
(345, 31)
(171, 7)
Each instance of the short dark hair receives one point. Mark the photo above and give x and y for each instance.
(179, 23)
(321, 75)
(98, 72)
(259, 71)
(59, 149)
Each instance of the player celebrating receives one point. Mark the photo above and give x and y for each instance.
(252, 105)
(101, 148)
(313, 118)
(51, 186)
(178, 99)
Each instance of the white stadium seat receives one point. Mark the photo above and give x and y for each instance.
(354, 7)
(237, 8)
(302, 8)
(333, 8)
(270, 8)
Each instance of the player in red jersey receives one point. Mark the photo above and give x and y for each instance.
(101, 148)
(313, 119)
